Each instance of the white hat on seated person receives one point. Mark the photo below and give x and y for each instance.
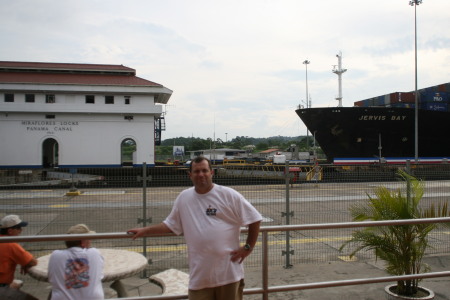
(12, 221)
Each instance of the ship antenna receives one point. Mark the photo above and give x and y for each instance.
(339, 72)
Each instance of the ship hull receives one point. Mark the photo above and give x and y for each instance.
(377, 132)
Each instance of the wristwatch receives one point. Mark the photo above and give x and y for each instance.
(247, 247)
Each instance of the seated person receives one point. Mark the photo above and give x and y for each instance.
(76, 272)
(12, 254)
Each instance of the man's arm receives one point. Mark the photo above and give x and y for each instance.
(160, 228)
(253, 232)
(24, 269)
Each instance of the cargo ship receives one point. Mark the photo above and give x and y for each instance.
(382, 128)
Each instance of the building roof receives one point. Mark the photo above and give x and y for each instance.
(66, 73)
(78, 78)
(62, 66)
(269, 151)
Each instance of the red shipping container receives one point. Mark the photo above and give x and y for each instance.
(398, 97)
(394, 97)
(407, 97)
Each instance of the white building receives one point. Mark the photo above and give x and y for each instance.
(219, 154)
(78, 115)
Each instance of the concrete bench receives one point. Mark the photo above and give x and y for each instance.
(172, 282)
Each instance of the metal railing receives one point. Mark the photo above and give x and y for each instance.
(265, 290)
(139, 196)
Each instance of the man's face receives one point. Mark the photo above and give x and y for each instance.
(14, 231)
(201, 175)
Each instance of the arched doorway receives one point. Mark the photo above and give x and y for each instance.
(50, 153)
(127, 150)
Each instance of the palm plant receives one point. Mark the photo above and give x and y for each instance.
(402, 247)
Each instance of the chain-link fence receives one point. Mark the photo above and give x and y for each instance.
(117, 199)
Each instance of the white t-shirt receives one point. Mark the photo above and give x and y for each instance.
(211, 225)
(76, 274)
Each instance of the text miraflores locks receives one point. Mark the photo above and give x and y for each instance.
(49, 126)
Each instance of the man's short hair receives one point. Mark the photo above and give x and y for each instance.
(199, 159)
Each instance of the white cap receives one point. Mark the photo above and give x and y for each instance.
(79, 229)
(11, 221)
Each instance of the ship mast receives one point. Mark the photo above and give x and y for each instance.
(338, 71)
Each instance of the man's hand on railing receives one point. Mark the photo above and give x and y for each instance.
(156, 229)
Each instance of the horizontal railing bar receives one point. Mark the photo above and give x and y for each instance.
(354, 224)
(119, 235)
(72, 237)
(326, 284)
(314, 285)
(157, 297)
(64, 237)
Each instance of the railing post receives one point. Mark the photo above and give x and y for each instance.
(265, 270)
(144, 219)
(144, 211)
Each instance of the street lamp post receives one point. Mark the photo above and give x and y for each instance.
(416, 109)
(308, 104)
(306, 63)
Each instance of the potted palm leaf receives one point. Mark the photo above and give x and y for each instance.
(402, 247)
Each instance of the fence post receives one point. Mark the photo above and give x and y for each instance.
(144, 211)
(408, 181)
(287, 214)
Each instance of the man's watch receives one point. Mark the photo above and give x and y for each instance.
(247, 247)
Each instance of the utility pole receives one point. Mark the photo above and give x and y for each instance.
(416, 109)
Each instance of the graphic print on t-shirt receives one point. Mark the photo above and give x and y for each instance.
(210, 211)
(77, 273)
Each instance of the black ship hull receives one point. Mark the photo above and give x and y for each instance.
(378, 132)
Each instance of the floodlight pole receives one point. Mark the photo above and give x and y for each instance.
(308, 104)
(416, 108)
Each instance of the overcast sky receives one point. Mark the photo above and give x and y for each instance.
(235, 66)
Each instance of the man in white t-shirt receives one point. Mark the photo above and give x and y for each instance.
(76, 273)
(210, 217)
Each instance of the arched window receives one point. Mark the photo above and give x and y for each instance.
(127, 150)
(50, 153)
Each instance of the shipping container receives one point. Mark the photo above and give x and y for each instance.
(380, 101)
(440, 97)
(408, 97)
(403, 105)
(436, 106)
(387, 100)
(394, 97)
(442, 88)
(447, 87)
(438, 93)
(397, 97)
